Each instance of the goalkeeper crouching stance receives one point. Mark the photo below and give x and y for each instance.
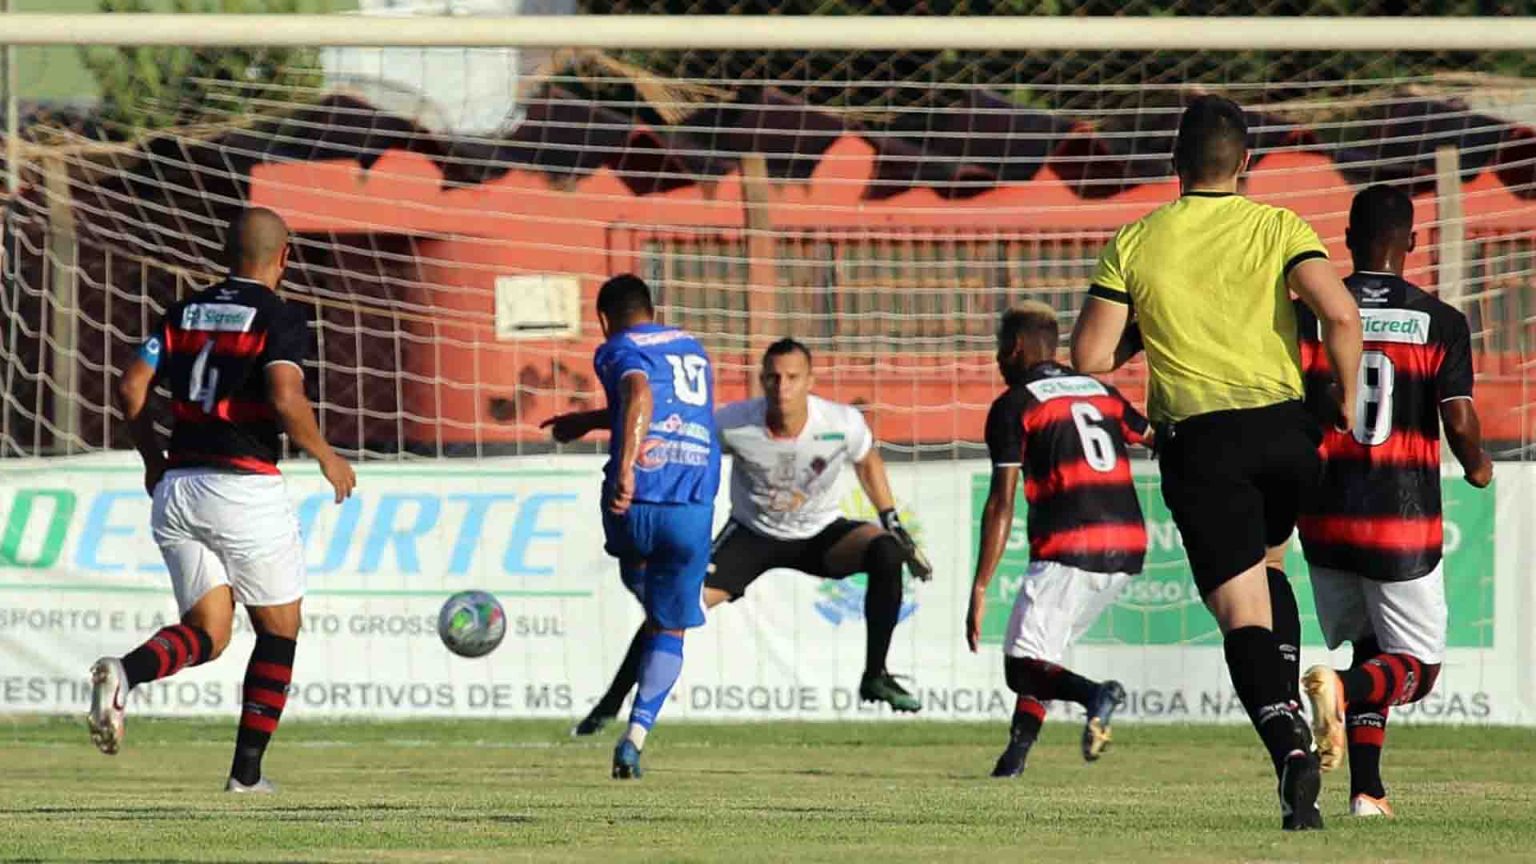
(790, 451)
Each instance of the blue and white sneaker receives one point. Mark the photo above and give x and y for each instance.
(626, 760)
(1096, 736)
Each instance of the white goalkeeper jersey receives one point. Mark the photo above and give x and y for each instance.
(788, 488)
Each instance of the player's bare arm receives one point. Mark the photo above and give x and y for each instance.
(636, 422)
(285, 390)
(996, 522)
(877, 487)
(1464, 434)
(565, 428)
(133, 398)
(1097, 338)
(1318, 286)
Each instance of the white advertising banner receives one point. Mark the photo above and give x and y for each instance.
(80, 578)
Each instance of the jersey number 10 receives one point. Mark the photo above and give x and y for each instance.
(690, 378)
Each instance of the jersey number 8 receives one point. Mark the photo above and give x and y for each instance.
(1098, 447)
(1373, 399)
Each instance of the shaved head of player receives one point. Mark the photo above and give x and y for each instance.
(1208, 280)
(1373, 534)
(1065, 434)
(256, 247)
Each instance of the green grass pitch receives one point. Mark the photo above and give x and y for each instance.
(522, 790)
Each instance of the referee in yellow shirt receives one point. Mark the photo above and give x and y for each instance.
(1208, 278)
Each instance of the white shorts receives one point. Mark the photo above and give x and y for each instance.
(1405, 617)
(1055, 605)
(216, 528)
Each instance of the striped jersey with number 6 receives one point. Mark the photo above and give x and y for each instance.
(1378, 513)
(1067, 432)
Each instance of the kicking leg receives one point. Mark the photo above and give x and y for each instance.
(201, 636)
(267, 676)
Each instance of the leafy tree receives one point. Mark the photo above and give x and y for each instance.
(151, 87)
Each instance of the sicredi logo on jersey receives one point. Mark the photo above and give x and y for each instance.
(1395, 325)
(1078, 385)
(218, 317)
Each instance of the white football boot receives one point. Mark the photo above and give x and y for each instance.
(109, 695)
(260, 787)
(1366, 805)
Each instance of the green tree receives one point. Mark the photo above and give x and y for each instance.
(149, 87)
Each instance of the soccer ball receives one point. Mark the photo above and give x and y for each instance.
(472, 623)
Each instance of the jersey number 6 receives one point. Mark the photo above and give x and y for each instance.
(1098, 447)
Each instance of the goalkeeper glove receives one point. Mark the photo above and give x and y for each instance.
(917, 562)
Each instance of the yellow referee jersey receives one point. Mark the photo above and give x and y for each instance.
(1206, 276)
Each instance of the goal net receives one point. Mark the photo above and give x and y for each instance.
(455, 208)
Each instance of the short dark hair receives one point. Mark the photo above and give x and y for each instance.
(1031, 318)
(1213, 136)
(787, 345)
(624, 297)
(1380, 213)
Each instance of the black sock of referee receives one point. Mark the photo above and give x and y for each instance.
(882, 600)
(1258, 675)
(1285, 621)
(624, 679)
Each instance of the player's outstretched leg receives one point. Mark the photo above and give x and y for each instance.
(169, 651)
(883, 561)
(661, 662)
(624, 680)
(1378, 683)
(1037, 682)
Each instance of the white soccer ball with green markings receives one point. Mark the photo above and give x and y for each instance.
(472, 623)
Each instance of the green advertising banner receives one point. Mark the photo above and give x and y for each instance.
(1161, 607)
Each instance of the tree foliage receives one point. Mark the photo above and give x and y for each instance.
(152, 87)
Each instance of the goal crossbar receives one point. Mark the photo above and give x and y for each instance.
(779, 32)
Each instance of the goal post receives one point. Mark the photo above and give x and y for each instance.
(880, 188)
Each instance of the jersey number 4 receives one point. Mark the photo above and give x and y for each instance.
(203, 386)
(1098, 447)
(690, 378)
(1373, 399)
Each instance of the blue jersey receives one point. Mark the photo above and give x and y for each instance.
(679, 461)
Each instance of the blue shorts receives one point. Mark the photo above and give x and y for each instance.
(663, 552)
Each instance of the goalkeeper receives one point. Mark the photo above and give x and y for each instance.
(790, 450)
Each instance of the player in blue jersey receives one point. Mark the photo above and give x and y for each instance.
(658, 486)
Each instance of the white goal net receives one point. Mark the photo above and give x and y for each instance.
(881, 206)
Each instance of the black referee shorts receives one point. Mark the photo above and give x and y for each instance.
(740, 555)
(1235, 482)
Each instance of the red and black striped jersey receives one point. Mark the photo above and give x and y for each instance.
(211, 351)
(1377, 512)
(1067, 433)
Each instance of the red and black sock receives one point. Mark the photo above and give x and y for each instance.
(1386, 680)
(169, 651)
(1045, 681)
(266, 692)
(1028, 717)
(1367, 734)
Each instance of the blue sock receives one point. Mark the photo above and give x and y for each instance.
(661, 661)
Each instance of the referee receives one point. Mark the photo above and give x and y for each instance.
(1208, 278)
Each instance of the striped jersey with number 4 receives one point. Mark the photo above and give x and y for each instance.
(1378, 512)
(1067, 433)
(211, 351)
